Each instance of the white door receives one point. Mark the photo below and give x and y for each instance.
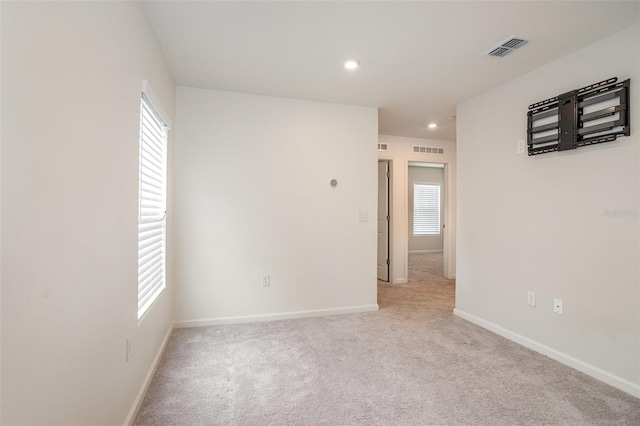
(383, 220)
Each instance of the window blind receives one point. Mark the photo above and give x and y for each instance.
(152, 206)
(426, 209)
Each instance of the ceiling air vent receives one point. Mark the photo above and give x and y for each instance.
(382, 147)
(428, 150)
(507, 46)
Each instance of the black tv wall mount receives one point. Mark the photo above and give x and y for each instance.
(596, 113)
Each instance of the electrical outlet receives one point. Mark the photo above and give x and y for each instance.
(363, 216)
(520, 146)
(531, 299)
(129, 347)
(558, 306)
(266, 280)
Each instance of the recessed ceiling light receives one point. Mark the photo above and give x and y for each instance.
(432, 125)
(351, 64)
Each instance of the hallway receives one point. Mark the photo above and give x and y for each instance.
(426, 285)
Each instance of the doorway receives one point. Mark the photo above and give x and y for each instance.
(426, 227)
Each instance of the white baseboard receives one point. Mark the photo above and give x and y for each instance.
(595, 372)
(424, 251)
(273, 317)
(133, 412)
(400, 281)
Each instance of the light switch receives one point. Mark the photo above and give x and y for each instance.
(521, 146)
(363, 217)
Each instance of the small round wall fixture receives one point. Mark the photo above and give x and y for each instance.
(334, 182)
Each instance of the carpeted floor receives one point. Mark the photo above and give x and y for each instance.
(411, 363)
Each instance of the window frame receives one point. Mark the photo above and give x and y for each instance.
(152, 201)
(425, 216)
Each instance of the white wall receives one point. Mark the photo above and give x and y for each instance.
(538, 223)
(400, 153)
(418, 174)
(253, 196)
(71, 77)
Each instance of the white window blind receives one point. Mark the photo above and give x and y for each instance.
(426, 209)
(152, 194)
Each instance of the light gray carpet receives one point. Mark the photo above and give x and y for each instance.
(411, 363)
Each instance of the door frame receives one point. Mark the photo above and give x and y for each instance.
(390, 224)
(448, 219)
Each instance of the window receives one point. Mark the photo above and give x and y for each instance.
(152, 194)
(426, 209)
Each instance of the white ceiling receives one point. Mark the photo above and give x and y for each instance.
(418, 59)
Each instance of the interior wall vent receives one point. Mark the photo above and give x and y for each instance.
(382, 147)
(428, 150)
(507, 46)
